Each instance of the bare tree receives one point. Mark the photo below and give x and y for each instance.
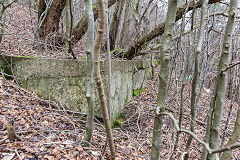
(81, 27)
(115, 23)
(163, 78)
(195, 75)
(90, 52)
(98, 79)
(109, 62)
(134, 49)
(126, 24)
(221, 81)
(69, 26)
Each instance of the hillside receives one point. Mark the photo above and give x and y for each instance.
(48, 131)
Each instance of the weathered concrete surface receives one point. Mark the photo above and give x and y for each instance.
(64, 81)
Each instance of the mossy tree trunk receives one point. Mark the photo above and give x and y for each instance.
(163, 78)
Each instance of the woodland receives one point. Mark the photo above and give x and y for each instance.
(190, 108)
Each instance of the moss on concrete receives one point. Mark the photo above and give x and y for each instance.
(156, 62)
(83, 57)
(146, 65)
(118, 121)
(26, 57)
(64, 81)
(138, 91)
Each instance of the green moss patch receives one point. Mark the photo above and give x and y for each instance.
(156, 62)
(117, 51)
(83, 57)
(138, 91)
(94, 6)
(27, 57)
(118, 121)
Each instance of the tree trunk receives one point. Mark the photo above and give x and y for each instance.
(195, 76)
(81, 27)
(115, 23)
(221, 81)
(90, 94)
(69, 25)
(98, 78)
(126, 23)
(109, 64)
(50, 23)
(145, 39)
(163, 78)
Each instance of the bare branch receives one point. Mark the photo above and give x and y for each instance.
(206, 145)
(230, 66)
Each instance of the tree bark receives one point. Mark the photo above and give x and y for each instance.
(195, 76)
(145, 39)
(115, 23)
(221, 80)
(90, 94)
(98, 78)
(50, 23)
(81, 27)
(163, 78)
(109, 63)
(126, 23)
(69, 25)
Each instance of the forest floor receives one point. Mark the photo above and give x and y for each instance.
(47, 131)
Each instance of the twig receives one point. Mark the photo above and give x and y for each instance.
(230, 66)
(60, 116)
(2, 140)
(206, 145)
(17, 154)
(144, 12)
(100, 157)
(231, 147)
(187, 117)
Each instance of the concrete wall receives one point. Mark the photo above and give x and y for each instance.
(64, 81)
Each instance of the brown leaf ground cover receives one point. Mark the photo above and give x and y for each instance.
(48, 131)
